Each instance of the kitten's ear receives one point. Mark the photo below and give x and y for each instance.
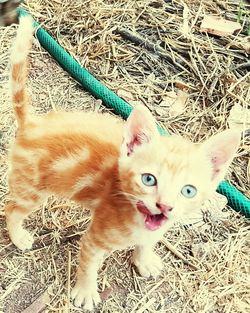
(221, 150)
(140, 129)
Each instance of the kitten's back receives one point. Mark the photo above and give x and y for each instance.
(104, 127)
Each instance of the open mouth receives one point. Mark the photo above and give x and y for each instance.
(152, 221)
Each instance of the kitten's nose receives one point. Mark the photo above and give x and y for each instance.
(163, 207)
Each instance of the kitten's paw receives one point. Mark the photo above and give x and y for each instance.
(148, 266)
(22, 239)
(85, 297)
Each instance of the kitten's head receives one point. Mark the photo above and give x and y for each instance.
(168, 177)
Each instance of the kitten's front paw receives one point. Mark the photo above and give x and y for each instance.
(85, 296)
(22, 239)
(151, 265)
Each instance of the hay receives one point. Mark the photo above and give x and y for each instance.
(216, 73)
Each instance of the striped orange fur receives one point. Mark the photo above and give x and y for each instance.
(136, 183)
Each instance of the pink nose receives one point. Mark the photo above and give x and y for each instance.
(163, 207)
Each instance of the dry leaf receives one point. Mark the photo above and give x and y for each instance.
(148, 92)
(39, 305)
(181, 85)
(160, 111)
(179, 105)
(242, 43)
(134, 103)
(176, 102)
(97, 104)
(200, 250)
(239, 118)
(218, 26)
(168, 99)
(150, 78)
(106, 293)
(129, 97)
(126, 95)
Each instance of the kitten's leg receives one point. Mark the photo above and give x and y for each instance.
(85, 291)
(146, 261)
(15, 214)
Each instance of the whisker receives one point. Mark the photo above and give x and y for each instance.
(126, 197)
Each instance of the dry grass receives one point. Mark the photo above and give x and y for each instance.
(218, 248)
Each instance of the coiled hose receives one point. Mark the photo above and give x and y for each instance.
(236, 199)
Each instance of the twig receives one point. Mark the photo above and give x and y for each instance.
(171, 248)
(242, 66)
(221, 5)
(147, 295)
(149, 45)
(39, 305)
(68, 281)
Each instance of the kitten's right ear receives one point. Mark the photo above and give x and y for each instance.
(140, 129)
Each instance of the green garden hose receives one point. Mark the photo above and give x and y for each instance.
(236, 199)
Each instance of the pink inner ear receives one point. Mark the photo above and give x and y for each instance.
(136, 140)
(221, 149)
(140, 129)
(217, 162)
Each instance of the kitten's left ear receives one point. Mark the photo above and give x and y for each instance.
(221, 150)
(140, 129)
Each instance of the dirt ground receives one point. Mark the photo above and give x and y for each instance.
(211, 273)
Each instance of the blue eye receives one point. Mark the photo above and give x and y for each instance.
(189, 191)
(148, 179)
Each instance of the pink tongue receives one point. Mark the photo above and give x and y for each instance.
(153, 222)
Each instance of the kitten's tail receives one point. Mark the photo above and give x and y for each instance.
(19, 68)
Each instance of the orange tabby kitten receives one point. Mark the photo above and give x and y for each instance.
(136, 182)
